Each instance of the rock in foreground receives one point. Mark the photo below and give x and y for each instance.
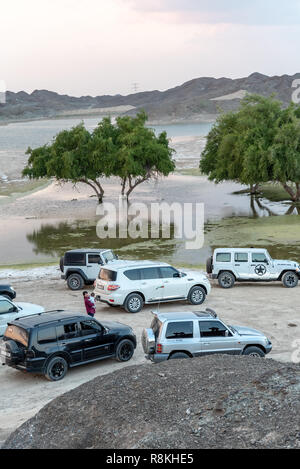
(209, 402)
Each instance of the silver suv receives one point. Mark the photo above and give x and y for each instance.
(193, 334)
(230, 265)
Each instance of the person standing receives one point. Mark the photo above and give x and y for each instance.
(89, 305)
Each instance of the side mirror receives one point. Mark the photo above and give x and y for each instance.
(100, 262)
(177, 275)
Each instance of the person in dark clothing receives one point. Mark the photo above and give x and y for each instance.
(89, 305)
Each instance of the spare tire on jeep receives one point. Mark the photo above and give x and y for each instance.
(209, 265)
(61, 264)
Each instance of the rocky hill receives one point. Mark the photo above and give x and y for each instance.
(197, 99)
(210, 402)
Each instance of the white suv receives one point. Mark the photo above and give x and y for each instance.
(132, 284)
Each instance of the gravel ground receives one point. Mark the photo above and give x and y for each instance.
(212, 402)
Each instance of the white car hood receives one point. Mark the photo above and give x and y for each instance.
(247, 331)
(285, 263)
(25, 309)
(196, 275)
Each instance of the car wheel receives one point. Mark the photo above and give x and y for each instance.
(75, 282)
(209, 265)
(196, 296)
(254, 352)
(125, 351)
(290, 280)
(226, 280)
(178, 356)
(134, 303)
(56, 369)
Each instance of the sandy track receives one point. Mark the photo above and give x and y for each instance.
(269, 308)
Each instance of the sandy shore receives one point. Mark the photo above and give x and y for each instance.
(269, 308)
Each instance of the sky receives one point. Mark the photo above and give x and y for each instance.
(96, 47)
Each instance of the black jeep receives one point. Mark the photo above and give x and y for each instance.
(8, 292)
(50, 343)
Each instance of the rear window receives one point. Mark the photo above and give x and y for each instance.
(18, 334)
(180, 330)
(108, 275)
(151, 273)
(223, 257)
(47, 335)
(134, 274)
(74, 258)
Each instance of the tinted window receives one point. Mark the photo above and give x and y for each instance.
(259, 257)
(108, 275)
(89, 327)
(180, 330)
(223, 257)
(241, 257)
(93, 259)
(6, 307)
(167, 272)
(212, 329)
(67, 331)
(74, 258)
(134, 274)
(47, 336)
(150, 273)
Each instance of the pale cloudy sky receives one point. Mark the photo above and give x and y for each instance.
(96, 47)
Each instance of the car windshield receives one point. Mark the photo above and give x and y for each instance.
(109, 256)
(17, 333)
(233, 329)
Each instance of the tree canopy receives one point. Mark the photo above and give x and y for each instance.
(128, 150)
(259, 143)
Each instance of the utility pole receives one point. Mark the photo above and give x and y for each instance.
(135, 87)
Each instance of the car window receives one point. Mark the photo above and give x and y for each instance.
(167, 272)
(223, 257)
(89, 327)
(109, 256)
(212, 329)
(259, 257)
(67, 331)
(93, 259)
(241, 257)
(6, 307)
(74, 258)
(108, 275)
(150, 273)
(134, 274)
(47, 336)
(180, 330)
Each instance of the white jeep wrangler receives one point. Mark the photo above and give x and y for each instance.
(230, 265)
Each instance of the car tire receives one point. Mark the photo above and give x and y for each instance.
(254, 352)
(178, 356)
(56, 369)
(124, 350)
(209, 265)
(133, 303)
(290, 279)
(75, 282)
(226, 280)
(197, 296)
(61, 264)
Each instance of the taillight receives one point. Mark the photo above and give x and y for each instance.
(113, 287)
(159, 348)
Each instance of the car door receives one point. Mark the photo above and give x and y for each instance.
(217, 338)
(242, 265)
(97, 342)
(8, 312)
(69, 340)
(152, 284)
(182, 336)
(175, 285)
(260, 268)
(93, 266)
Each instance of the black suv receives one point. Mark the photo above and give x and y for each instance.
(8, 292)
(51, 342)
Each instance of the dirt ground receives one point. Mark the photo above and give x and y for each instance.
(267, 307)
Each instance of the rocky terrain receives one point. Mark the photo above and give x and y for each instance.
(210, 402)
(197, 99)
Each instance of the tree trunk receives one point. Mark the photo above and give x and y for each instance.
(294, 194)
(254, 188)
(132, 186)
(96, 186)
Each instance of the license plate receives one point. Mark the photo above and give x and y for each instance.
(4, 353)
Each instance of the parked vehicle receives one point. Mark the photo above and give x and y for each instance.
(81, 266)
(131, 284)
(187, 335)
(8, 292)
(10, 311)
(230, 265)
(52, 342)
